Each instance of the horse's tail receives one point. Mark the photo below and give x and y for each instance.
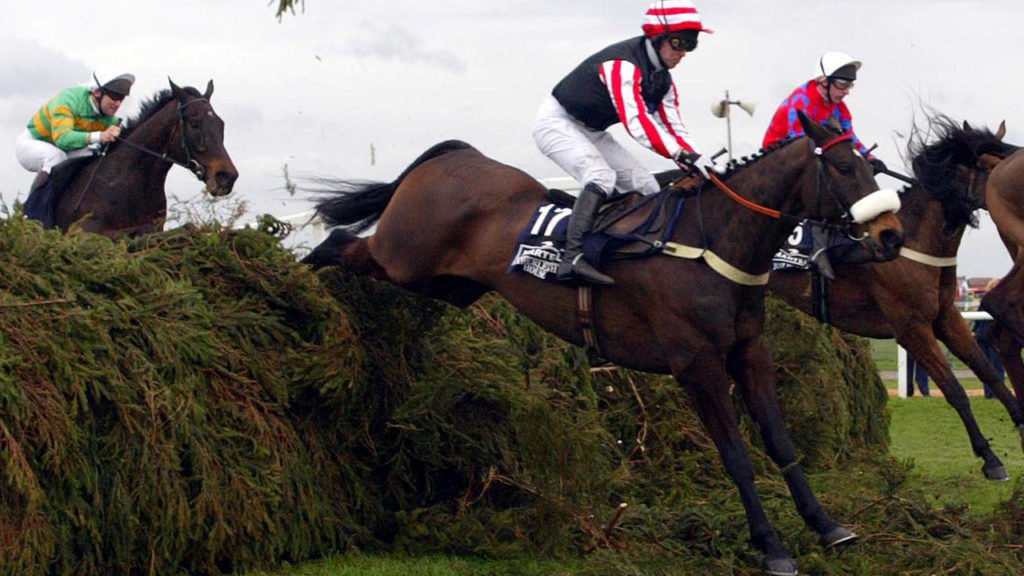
(358, 204)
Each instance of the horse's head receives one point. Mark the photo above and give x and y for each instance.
(952, 163)
(842, 189)
(203, 139)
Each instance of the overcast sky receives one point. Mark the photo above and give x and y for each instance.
(358, 88)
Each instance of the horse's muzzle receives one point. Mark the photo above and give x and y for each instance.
(883, 236)
(220, 178)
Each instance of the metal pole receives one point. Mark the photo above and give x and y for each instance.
(728, 124)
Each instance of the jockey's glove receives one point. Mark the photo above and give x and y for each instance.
(877, 165)
(702, 163)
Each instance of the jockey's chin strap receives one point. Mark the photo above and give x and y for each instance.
(190, 163)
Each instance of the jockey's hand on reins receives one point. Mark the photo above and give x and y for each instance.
(695, 163)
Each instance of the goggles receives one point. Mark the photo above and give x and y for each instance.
(842, 84)
(682, 43)
(115, 96)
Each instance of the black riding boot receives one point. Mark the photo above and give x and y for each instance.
(573, 265)
(39, 204)
(41, 178)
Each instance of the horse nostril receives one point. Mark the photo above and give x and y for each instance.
(226, 179)
(891, 239)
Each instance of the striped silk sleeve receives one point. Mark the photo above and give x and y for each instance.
(63, 130)
(662, 131)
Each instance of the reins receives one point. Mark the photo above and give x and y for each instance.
(190, 164)
(771, 212)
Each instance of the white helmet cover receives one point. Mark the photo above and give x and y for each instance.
(832, 61)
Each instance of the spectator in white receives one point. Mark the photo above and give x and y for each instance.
(627, 82)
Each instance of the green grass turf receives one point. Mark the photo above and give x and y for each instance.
(928, 432)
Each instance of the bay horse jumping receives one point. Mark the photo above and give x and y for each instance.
(912, 298)
(121, 192)
(447, 228)
(1004, 199)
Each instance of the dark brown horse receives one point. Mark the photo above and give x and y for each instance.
(122, 191)
(447, 228)
(912, 298)
(1004, 199)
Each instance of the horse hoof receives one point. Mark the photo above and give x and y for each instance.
(837, 536)
(780, 567)
(997, 473)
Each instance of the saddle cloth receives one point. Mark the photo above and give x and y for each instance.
(807, 247)
(796, 253)
(41, 203)
(540, 245)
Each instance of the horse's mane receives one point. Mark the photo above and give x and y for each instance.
(737, 164)
(937, 163)
(151, 106)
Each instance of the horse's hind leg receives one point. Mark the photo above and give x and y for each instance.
(1009, 349)
(706, 383)
(346, 250)
(922, 345)
(752, 368)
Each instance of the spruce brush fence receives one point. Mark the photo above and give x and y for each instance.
(197, 402)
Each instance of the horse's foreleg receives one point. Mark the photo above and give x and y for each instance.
(706, 383)
(922, 345)
(751, 366)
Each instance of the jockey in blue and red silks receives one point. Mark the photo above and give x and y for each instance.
(821, 98)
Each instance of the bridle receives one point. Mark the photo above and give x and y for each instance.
(821, 160)
(190, 163)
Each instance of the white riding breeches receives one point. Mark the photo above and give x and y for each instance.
(35, 155)
(589, 156)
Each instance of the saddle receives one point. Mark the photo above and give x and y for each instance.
(539, 247)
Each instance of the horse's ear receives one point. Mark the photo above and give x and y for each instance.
(1002, 130)
(176, 90)
(967, 126)
(209, 90)
(834, 124)
(811, 128)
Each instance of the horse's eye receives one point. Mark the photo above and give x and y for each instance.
(844, 167)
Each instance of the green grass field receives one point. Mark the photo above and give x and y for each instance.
(426, 566)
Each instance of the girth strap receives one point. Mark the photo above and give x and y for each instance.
(716, 263)
(585, 309)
